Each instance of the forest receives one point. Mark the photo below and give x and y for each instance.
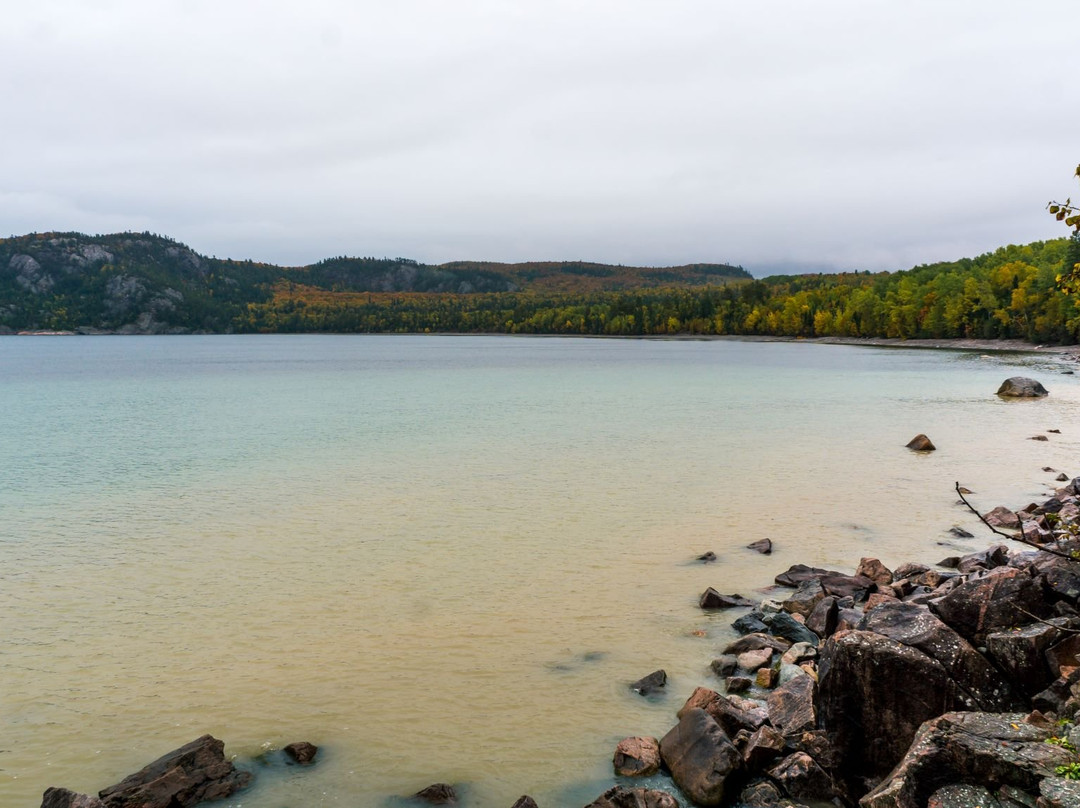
(143, 283)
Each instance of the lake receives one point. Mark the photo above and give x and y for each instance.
(444, 558)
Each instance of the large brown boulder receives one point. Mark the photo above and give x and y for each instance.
(874, 694)
(980, 685)
(700, 756)
(1022, 387)
(991, 750)
(62, 798)
(791, 706)
(1002, 598)
(802, 778)
(194, 773)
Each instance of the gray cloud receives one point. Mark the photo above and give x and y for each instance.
(864, 135)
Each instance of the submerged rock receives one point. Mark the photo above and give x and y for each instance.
(1022, 387)
(437, 794)
(764, 546)
(620, 797)
(711, 599)
(637, 757)
(651, 683)
(302, 752)
(194, 773)
(921, 443)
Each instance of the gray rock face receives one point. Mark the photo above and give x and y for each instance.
(701, 757)
(1003, 598)
(991, 750)
(1020, 653)
(30, 275)
(194, 773)
(1022, 387)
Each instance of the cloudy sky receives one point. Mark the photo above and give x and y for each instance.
(785, 135)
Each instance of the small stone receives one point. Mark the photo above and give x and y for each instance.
(1054, 431)
(711, 599)
(921, 443)
(764, 546)
(738, 684)
(525, 801)
(1048, 468)
(766, 678)
(960, 533)
(725, 665)
(1062, 477)
(437, 794)
(1021, 387)
(648, 684)
(302, 752)
(877, 572)
(752, 660)
(707, 557)
(1039, 437)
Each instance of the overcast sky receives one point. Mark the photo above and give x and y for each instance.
(787, 135)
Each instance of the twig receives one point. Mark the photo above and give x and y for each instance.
(1045, 622)
(1021, 538)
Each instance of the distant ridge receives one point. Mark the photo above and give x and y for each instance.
(147, 283)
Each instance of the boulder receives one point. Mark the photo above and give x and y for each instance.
(1021, 653)
(990, 750)
(302, 752)
(738, 684)
(725, 665)
(766, 678)
(921, 443)
(1002, 598)
(1057, 792)
(651, 683)
(194, 773)
(799, 653)
(751, 623)
(1022, 387)
(711, 599)
(637, 757)
(1002, 517)
(1062, 477)
(823, 619)
(765, 745)
(437, 794)
(1064, 657)
(761, 794)
(1039, 437)
(524, 801)
(909, 570)
(806, 597)
(763, 546)
(707, 558)
(791, 706)
(980, 685)
(801, 777)
(701, 757)
(841, 586)
(752, 660)
(964, 796)
(873, 569)
(621, 797)
(755, 642)
(62, 798)
(1057, 696)
(874, 694)
(988, 559)
(784, 625)
(797, 573)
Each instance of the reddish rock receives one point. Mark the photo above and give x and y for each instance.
(738, 684)
(801, 777)
(764, 546)
(1002, 517)
(620, 797)
(877, 599)
(806, 597)
(1021, 653)
(766, 678)
(755, 642)
(194, 773)
(791, 706)
(637, 757)
(701, 757)
(797, 573)
(823, 619)
(842, 586)
(752, 660)
(909, 570)
(921, 443)
(873, 569)
(762, 747)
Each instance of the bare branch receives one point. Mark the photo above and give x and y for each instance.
(1021, 538)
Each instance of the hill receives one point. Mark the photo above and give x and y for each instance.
(146, 283)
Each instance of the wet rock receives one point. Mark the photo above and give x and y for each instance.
(1003, 598)
(797, 573)
(909, 570)
(755, 642)
(1057, 792)
(877, 599)
(801, 777)
(806, 597)
(437, 794)
(980, 685)
(1039, 437)
(963, 796)
(651, 683)
(815, 743)
(921, 443)
(194, 773)
(798, 653)
(822, 620)
(525, 801)
(62, 798)
(752, 660)
(1002, 517)
(847, 619)
(725, 665)
(751, 623)
(791, 706)
(873, 569)
(1056, 697)
(1064, 657)
(711, 599)
(763, 546)
(766, 678)
(1062, 477)
(302, 752)
(701, 757)
(950, 563)
(620, 797)
(707, 558)
(1022, 387)
(738, 684)
(784, 625)
(988, 559)
(637, 757)
(960, 533)
(874, 694)
(762, 794)
(988, 749)
(854, 586)
(763, 746)
(1020, 653)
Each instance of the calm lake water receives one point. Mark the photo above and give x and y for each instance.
(444, 558)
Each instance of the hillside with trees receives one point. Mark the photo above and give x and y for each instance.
(142, 283)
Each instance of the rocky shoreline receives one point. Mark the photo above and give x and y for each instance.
(953, 684)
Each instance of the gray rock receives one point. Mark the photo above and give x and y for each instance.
(62, 798)
(651, 683)
(763, 546)
(701, 757)
(437, 794)
(1021, 387)
(786, 626)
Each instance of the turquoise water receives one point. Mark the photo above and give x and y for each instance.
(443, 558)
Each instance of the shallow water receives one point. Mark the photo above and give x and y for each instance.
(444, 558)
